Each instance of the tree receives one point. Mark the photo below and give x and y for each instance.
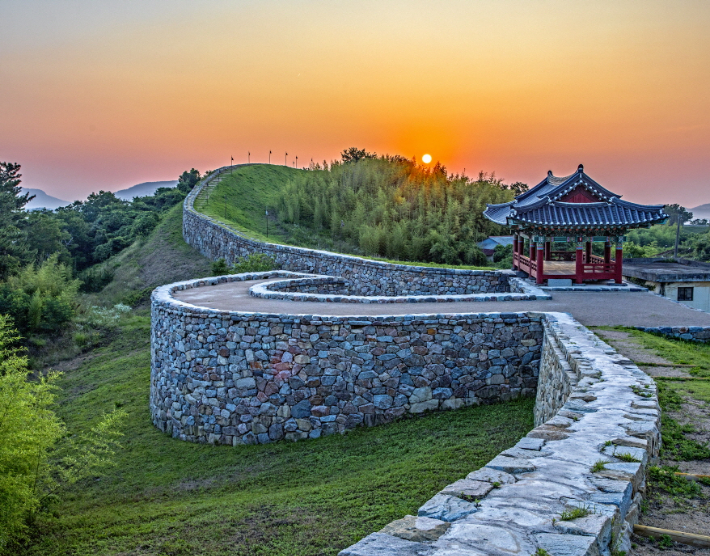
(353, 154)
(678, 216)
(14, 250)
(188, 180)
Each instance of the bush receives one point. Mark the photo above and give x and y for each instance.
(28, 429)
(37, 459)
(40, 299)
(95, 279)
(256, 262)
(219, 268)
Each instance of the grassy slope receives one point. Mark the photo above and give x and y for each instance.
(175, 498)
(241, 199)
(161, 258)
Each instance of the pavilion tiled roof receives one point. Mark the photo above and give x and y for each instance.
(541, 207)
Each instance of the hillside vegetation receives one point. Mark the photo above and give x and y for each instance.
(385, 207)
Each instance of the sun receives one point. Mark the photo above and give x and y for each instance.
(426, 159)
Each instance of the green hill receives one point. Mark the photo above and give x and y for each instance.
(383, 213)
(161, 258)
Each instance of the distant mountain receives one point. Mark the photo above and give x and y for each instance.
(701, 211)
(143, 189)
(42, 200)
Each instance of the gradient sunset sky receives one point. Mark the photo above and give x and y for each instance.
(106, 94)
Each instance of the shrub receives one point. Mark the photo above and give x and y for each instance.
(95, 279)
(36, 458)
(40, 298)
(219, 268)
(256, 262)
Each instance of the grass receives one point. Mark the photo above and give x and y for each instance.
(314, 497)
(598, 466)
(679, 352)
(161, 258)
(575, 513)
(676, 445)
(241, 199)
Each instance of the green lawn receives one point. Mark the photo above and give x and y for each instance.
(315, 497)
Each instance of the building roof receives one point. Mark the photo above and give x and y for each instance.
(574, 201)
(661, 270)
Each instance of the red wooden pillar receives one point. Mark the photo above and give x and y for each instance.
(532, 250)
(579, 264)
(540, 261)
(515, 251)
(619, 262)
(548, 250)
(588, 250)
(607, 252)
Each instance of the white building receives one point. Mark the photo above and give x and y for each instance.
(684, 281)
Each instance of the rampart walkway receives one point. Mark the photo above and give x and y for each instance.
(589, 308)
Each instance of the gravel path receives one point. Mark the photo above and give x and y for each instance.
(589, 308)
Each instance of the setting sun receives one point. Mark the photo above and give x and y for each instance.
(426, 159)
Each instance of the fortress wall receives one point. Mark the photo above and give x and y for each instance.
(231, 378)
(367, 277)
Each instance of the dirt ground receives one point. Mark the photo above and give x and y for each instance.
(678, 513)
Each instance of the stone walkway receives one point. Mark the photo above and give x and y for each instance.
(591, 309)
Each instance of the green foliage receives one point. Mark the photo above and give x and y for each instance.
(574, 513)
(256, 262)
(95, 279)
(219, 268)
(598, 466)
(353, 154)
(188, 180)
(393, 208)
(541, 552)
(14, 248)
(664, 478)
(665, 541)
(28, 430)
(40, 298)
(37, 459)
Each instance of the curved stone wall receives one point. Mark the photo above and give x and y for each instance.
(366, 277)
(231, 377)
(336, 290)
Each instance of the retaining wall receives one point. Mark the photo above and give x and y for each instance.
(231, 377)
(690, 333)
(215, 240)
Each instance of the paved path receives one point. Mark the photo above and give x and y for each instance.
(589, 308)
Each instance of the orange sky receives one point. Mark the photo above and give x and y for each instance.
(108, 94)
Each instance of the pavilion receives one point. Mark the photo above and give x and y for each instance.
(571, 210)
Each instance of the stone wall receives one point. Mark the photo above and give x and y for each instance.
(690, 333)
(231, 378)
(335, 290)
(367, 277)
(592, 454)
